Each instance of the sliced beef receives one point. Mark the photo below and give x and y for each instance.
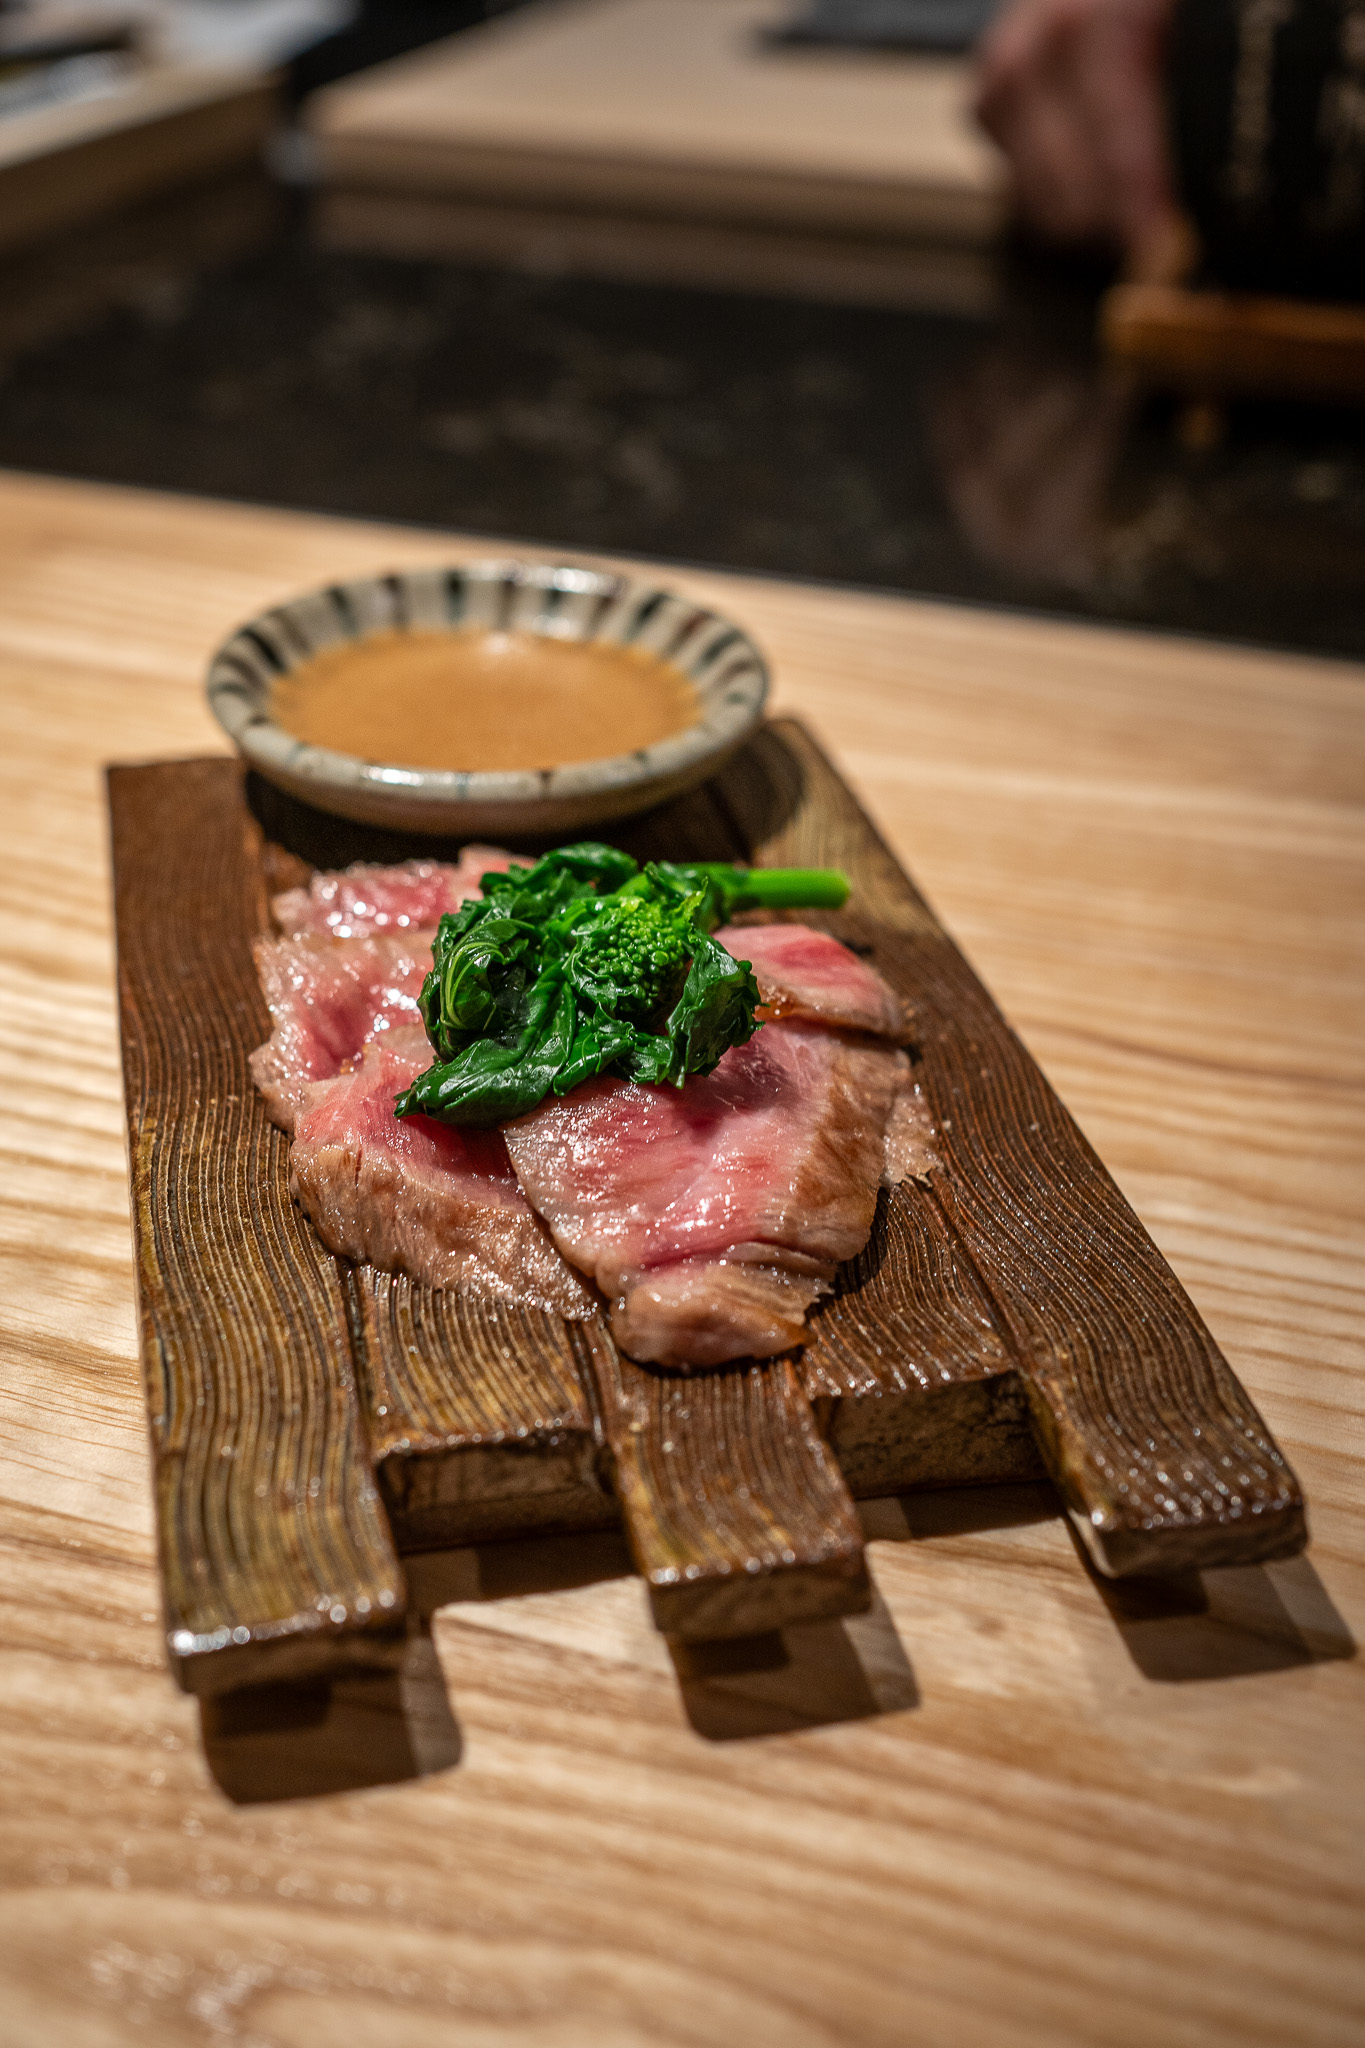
(329, 997)
(420, 1197)
(713, 1215)
(360, 900)
(805, 973)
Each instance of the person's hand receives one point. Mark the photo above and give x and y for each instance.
(1071, 90)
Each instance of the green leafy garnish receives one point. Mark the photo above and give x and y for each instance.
(586, 964)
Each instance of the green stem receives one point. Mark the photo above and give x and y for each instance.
(779, 888)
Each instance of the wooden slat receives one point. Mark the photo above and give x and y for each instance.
(911, 1379)
(276, 1559)
(1161, 1457)
(478, 1421)
(735, 1511)
(910, 1317)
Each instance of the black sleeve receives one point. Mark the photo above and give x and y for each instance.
(1267, 108)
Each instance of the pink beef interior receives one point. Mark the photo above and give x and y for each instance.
(415, 1196)
(360, 900)
(713, 1215)
(408, 1195)
(328, 998)
(805, 973)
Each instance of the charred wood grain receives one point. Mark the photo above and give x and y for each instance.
(1161, 1457)
(735, 1511)
(479, 1423)
(1008, 1303)
(911, 1379)
(276, 1560)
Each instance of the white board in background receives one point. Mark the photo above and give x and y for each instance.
(588, 127)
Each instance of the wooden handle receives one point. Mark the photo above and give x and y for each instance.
(276, 1560)
(736, 1513)
(1211, 343)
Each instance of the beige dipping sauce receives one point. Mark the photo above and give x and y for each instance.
(483, 701)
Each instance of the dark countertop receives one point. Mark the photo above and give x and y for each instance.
(207, 345)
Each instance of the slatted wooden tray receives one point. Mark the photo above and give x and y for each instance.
(311, 1420)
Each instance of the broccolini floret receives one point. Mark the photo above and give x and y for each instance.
(585, 964)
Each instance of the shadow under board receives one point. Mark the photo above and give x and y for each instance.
(301, 1741)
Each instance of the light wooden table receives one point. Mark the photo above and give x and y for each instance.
(1003, 1809)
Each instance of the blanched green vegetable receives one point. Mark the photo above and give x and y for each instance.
(586, 964)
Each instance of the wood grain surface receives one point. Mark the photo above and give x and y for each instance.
(737, 1516)
(1011, 1804)
(478, 1417)
(276, 1558)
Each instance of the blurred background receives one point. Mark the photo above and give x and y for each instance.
(736, 282)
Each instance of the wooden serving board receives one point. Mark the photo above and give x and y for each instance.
(1010, 1315)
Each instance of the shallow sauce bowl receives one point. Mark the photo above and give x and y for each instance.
(558, 601)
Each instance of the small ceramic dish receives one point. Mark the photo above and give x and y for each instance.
(560, 602)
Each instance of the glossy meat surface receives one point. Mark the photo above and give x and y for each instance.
(806, 973)
(327, 998)
(713, 1215)
(420, 1197)
(360, 900)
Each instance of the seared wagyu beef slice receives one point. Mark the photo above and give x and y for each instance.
(360, 900)
(411, 1196)
(805, 973)
(328, 998)
(420, 1197)
(712, 1216)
